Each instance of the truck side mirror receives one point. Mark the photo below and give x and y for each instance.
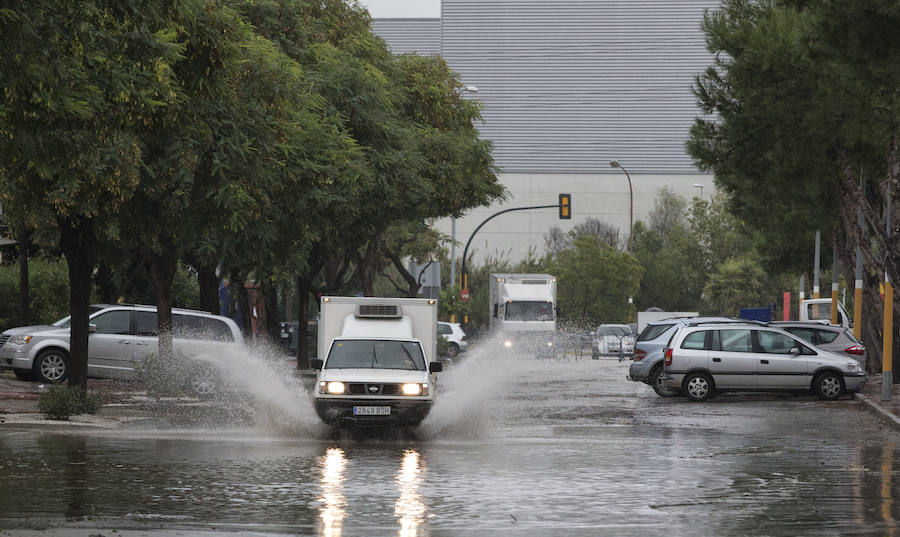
(435, 367)
(316, 363)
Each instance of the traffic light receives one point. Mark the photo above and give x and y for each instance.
(565, 206)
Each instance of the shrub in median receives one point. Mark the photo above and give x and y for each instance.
(60, 402)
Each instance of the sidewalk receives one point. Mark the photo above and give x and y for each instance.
(871, 396)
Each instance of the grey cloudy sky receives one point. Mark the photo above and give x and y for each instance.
(391, 9)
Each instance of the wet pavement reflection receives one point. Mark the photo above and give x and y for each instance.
(527, 448)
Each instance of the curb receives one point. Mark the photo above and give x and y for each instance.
(892, 420)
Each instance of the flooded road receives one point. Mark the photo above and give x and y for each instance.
(513, 447)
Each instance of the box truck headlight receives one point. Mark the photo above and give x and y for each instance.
(507, 344)
(412, 389)
(332, 387)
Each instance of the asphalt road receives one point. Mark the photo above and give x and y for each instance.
(514, 447)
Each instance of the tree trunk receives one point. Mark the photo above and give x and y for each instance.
(270, 304)
(303, 293)
(162, 270)
(78, 243)
(209, 288)
(24, 286)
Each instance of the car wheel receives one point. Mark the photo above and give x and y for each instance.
(453, 350)
(24, 375)
(828, 385)
(52, 366)
(656, 382)
(698, 386)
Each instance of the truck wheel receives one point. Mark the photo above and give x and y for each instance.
(655, 381)
(51, 366)
(453, 350)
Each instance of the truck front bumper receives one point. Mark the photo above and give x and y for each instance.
(340, 412)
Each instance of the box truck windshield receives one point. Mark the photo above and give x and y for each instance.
(529, 311)
(376, 354)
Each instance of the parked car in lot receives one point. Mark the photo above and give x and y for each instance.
(829, 337)
(704, 359)
(648, 350)
(121, 336)
(455, 336)
(612, 340)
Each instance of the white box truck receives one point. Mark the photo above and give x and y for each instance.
(819, 309)
(523, 312)
(380, 360)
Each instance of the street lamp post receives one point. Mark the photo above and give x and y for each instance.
(700, 186)
(465, 89)
(615, 164)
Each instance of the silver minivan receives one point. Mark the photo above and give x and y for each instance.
(121, 336)
(704, 359)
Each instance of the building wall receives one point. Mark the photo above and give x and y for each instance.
(404, 36)
(568, 86)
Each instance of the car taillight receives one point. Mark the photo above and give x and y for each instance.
(462, 338)
(858, 350)
(639, 354)
(669, 356)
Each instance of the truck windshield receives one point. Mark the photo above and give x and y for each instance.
(529, 311)
(375, 354)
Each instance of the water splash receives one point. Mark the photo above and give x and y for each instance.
(469, 393)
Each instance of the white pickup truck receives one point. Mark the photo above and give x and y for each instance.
(380, 361)
(819, 309)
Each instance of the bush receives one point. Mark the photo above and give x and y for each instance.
(60, 402)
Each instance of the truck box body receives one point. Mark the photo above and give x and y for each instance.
(523, 311)
(379, 359)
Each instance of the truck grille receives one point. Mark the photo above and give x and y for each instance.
(3, 340)
(383, 311)
(361, 388)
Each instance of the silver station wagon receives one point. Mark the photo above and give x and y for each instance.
(701, 360)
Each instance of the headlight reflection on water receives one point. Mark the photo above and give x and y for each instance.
(409, 507)
(333, 500)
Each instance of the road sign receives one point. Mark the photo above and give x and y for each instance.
(464, 295)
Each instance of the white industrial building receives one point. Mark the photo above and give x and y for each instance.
(568, 86)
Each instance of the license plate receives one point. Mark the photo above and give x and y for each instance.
(371, 411)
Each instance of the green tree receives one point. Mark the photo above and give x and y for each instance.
(737, 283)
(76, 78)
(595, 282)
(801, 98)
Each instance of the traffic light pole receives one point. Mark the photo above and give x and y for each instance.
(464, 277)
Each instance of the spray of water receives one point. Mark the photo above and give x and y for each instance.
(262, 378)
(469, 393)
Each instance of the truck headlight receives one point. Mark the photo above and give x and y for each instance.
(19, 340)
(412, 389)
(334, 387)
(549, 343)
(507, 344)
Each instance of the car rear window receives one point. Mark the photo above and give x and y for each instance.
(653, 331)
(827, 336)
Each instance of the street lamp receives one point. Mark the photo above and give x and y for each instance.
(615, 164)
(700, 186)
(465, 89)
